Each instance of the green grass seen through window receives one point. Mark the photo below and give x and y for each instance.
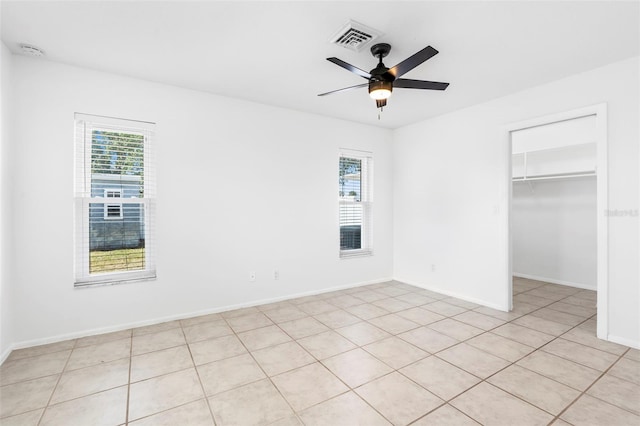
(116, 260)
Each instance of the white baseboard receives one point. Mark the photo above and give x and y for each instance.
(555, 281)
(119, 327)
(453, 294)
(624, 341)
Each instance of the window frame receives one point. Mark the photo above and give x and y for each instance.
(85, 124)
(365, 202)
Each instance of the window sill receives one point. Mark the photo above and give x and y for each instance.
(348, 254)
(115, 279)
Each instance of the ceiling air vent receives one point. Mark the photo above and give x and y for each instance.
(355, 36)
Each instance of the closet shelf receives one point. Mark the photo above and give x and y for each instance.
(555, 176)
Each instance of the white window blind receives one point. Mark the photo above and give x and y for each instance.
(355, 204)
(115, 198)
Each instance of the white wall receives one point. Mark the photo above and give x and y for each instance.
(553, 224)
(242, 187)
(451, 191)
(6, 332)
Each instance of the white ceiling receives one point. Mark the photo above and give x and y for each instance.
(274, 52)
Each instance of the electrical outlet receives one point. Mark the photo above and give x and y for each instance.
(276, 274)
(252, 276)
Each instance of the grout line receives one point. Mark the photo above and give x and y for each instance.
(55, 387)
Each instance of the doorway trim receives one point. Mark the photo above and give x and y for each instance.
(602, 203)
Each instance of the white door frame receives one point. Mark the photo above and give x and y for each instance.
(602, 203)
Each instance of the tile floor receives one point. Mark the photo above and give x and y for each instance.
(382, 354)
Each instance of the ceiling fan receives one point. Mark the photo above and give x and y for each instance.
(382, 80)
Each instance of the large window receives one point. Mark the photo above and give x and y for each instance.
(115, 200)
(355, 203)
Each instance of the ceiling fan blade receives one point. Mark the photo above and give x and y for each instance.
(344, 89)
(419, 84)
(349, 67)
(412, 61)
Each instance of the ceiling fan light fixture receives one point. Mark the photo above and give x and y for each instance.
(380, 89)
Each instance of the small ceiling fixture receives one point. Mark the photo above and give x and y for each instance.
(382, 80)
(31, 50)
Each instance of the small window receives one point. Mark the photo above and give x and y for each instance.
(113, 211)
(355, 203)
(115, 200)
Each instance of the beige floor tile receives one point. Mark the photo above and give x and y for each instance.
(346, 409)
(633, 354)
(280, 358)
(291, 420)
(157, 341)
(160, 362)
(335, 319)
(395, 352)
(345, 301)
(308, 385)
(88, 380)
(33, 367)
(102, 338)
(41, 350)
(538, 390)
(229, 373)
(216, 349)
(545, 294)
(254, 404)
(239, 312)
(398, 399)
(192, 414)
(356, 367)
(326, 344)
(440, 377)
(188, 322)
(206, 330)
(263, 337)
(275, 305)
(445, 309)
(504, 316)
(156, 328)
(542, 325)
(585, 355)
(105, 408)
(584, 337)
(26, 396)
(393, 323)
(500, 346)
(459, 302)
(618, 392)
(415, 299)
(479, 320)
(428, 340)
(589, 411)
(160, 393)
(420, 316)
(572, 309)
(303, 327)
(627, 369)
(27, 419)
(249, 322)
(457, 330)
(491, 406)
(559, 369)
(473, 360)
(392, 291)
(317, 307)
(392, 304)
(97, 354)
(284, 314)
(363, 333)
(557, 316)
(522, 308)
(367, 311)
(431, 294)
(369, 296)
(523, 335)
(580, 301)
(446, 416)
(533, 300)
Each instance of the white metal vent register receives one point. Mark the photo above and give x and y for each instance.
(355, 36)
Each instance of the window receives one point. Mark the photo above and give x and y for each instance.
(355, 203)
(112, 211)
(115, 200)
